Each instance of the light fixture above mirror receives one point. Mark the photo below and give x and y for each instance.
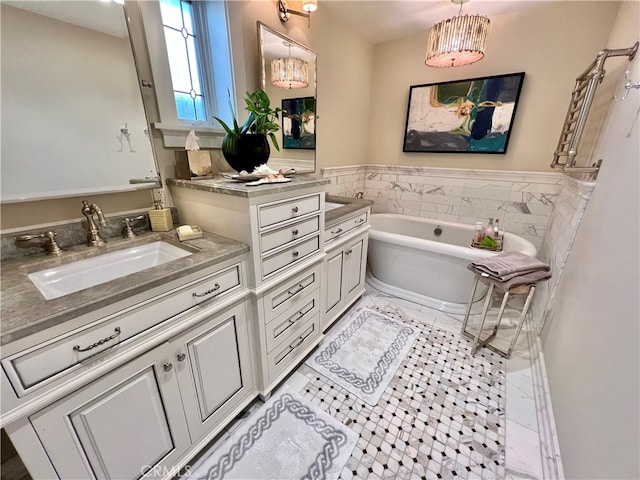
(457, 41)
(308, 6)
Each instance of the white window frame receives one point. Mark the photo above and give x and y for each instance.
(173, 129)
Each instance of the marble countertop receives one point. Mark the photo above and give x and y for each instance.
(351, 205)
(25, 311)
(240, 189)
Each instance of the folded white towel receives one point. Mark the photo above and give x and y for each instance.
(508, 265)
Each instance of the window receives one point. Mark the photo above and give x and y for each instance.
(190, 52)
(182, 51)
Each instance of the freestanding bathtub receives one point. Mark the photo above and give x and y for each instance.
(407, 259)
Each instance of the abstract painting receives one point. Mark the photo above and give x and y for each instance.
(466, 116)
(298, 123)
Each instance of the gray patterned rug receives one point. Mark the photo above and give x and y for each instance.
(363, 353)
(287, 438)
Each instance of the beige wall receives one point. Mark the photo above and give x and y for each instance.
(362, 90)
(552, 42)
(592, 345)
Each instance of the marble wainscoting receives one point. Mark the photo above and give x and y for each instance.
(345, 181)
(523, 201)
(572, 200)
(566, 216)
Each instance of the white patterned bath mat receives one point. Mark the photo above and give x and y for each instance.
(364, 352)
(287, 438)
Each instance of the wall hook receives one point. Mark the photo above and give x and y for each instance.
(627, 87)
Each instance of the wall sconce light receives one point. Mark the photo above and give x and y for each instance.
(308, 6)
(457, 41)
(289, 72)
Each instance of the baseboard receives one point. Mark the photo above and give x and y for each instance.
(549, 445)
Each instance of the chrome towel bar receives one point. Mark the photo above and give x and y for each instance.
(581, 99)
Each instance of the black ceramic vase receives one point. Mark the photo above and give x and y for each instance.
(245, 152)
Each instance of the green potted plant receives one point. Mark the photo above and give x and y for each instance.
(246, 147)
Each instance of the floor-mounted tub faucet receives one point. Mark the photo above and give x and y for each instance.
(93, 234)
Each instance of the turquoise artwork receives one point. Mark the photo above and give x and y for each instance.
(465, 116)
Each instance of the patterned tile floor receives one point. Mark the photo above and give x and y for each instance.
(445, 414)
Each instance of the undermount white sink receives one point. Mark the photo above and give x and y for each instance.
(331, 205)
(65, 279)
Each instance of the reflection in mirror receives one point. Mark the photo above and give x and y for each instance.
(73, 121)
(298, 125)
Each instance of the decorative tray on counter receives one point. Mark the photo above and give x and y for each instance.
(253, 177)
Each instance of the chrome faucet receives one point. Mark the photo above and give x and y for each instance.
(93, 234)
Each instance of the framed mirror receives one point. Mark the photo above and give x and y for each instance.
(292, 66)
(73, 121)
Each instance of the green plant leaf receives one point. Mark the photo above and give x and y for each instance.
(488, 242)
(272, 136)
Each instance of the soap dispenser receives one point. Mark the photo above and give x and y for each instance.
(160, 216)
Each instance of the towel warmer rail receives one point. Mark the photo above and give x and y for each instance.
(581, 99)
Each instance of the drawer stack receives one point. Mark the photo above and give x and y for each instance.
(291, 313)
(289, 230)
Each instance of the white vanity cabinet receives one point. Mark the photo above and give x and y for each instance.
(147, 413)
(345, 265)
(136, 388)
(284, 225)
(117, 427)
(213, 366)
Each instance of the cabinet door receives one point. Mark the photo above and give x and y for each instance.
(354, 271)
(333, 281)
(214, 369)
(118, 427)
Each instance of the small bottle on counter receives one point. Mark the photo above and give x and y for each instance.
(496, 228)
(478, 233)
(488, 231)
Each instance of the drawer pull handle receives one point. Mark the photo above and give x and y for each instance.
(298, 290)
(294, 232)
(335, 232)
(301, 314)
(360, 220)
(294, 209)
(348, 252)
(297, 344)
(181, 356)
(295, 254)
(215, 288)
(167, 366)
(78, 348)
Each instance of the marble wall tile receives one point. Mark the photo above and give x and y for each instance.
(569, 207)
(523, 201)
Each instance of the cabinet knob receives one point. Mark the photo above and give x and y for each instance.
(167, 366)
(295, 254)
(294, 209)
(348, 252)
(294, 232)
(181, 356)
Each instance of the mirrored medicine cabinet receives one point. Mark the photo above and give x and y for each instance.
(297, 136)
(73, 121)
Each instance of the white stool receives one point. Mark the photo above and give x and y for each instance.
(477, 341)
